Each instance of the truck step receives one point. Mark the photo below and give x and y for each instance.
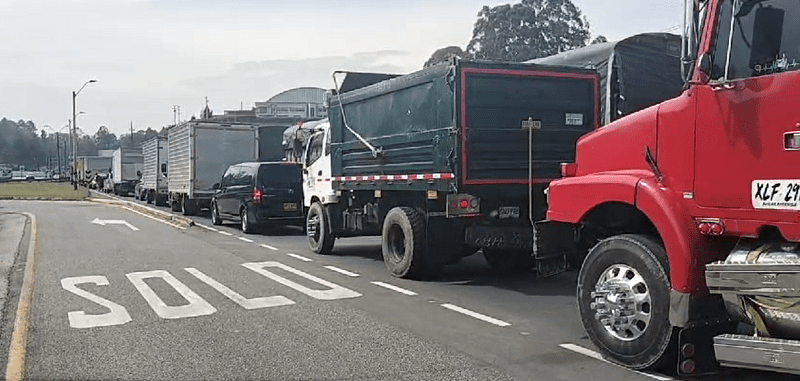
(758, 353)
(777, 280)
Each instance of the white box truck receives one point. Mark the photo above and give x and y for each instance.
(153, 185)
(198, 154)
(126, 169)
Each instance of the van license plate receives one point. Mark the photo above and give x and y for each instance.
(776, 194)
(290, 206)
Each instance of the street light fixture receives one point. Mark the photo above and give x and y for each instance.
(75, 136)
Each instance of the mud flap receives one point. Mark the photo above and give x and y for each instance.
(553, 244)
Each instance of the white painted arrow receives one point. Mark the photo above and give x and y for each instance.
(114, 222)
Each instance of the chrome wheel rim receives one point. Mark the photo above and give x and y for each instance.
(621, 302)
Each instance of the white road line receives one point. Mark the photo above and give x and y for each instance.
(153, 218)
(341, 271)
(395, 288)
(248, 240)
(270, 247)
(300, 257)
(224, 233)
(597, 356)
(476, 315)
(207, 227)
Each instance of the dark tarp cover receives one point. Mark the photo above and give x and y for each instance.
(355, 80)
(645, 70)
(296, 137)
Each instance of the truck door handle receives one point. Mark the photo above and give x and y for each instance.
(723, 86)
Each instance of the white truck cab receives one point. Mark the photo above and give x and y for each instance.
(317, 184)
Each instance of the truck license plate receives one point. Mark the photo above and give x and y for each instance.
(290, 206)
(776, 194)
(508, 212)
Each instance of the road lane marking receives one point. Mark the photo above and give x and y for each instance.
(334, 292)
(224, 233)
(153, 218)
(100, 222)
(17, 351)
(598, 356)
(476, 315)
(249, 304)
(395, 288)
(196, 307)
(300, 257)
(117, 314)
(207, 227)
(248, 240)
(273, 248)
(342, 271)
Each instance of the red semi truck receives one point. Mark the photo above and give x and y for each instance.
(690, 210)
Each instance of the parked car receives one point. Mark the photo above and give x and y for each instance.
(257, 194)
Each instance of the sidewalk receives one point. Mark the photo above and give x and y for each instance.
(12, 229)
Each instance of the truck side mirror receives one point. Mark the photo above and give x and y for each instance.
(139, 173)
(164, 167)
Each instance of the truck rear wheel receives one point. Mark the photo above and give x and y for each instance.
(318, 229)
(188, 206)
(175, 203)
(403, 243)
(623, 298)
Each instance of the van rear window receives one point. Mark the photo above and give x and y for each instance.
(279, 176)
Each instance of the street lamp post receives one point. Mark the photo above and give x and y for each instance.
(75, 136)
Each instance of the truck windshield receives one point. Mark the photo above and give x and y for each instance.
(755, 38)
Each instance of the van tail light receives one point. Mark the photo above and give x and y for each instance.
(257, 195)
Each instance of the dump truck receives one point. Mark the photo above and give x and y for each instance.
(153, 185)
(198, 154)
(688, 211)
(447, 161)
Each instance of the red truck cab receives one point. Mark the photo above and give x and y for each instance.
(656, 198)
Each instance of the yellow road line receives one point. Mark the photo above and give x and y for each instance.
(15, 368)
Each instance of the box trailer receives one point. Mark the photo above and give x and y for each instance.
(153, 185)
(198, 154)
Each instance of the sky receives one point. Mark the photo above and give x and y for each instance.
(151, 55)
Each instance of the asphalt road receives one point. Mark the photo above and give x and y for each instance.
(119, 295)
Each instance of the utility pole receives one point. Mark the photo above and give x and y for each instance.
(75, 139)
(58, 155)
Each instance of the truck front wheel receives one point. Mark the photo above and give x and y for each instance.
(623, 298)
(318, 229)
(403, 243)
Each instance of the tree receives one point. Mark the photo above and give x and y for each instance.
(105, 139)
(528, 30)
(599, 40)
(444, 55)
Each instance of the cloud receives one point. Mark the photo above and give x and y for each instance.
(258, 81)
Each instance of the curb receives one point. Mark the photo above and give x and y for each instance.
(17, 351)
(178, 221)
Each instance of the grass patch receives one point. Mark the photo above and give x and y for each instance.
(42, 190)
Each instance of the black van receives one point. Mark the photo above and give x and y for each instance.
(259, 193)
